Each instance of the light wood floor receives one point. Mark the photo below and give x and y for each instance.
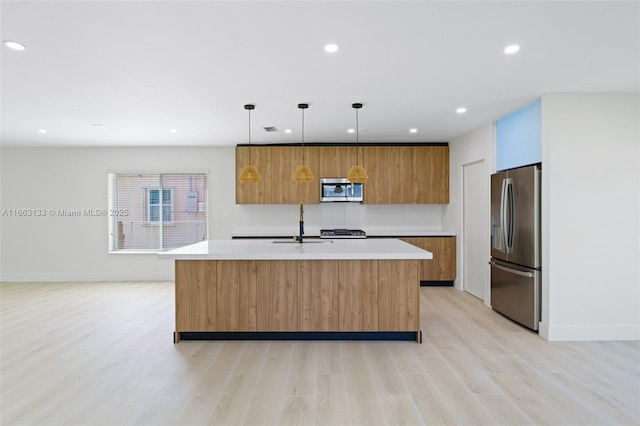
(102, 354)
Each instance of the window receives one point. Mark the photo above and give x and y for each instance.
(153, 205)
(151, 212)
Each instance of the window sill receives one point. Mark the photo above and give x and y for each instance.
(132, 251)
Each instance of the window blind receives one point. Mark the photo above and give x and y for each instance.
(156, 211)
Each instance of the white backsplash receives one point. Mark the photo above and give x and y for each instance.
(381, 219)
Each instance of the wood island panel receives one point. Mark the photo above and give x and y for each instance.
(318, 295)
(195, 295)
(236, 295)
(358, 295)
(399, 303)
(297, 295)
(277, 308)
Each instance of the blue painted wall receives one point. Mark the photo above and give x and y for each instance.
(519, 137)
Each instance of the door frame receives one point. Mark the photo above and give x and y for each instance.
(486, 206)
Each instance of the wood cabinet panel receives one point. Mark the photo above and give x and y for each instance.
(336, 161)
(443, 265)
(407, 175)
(195, 295)
(236, 295)
(277, 300)
(296, 295)
(254, 193)
(285, 160)
(318, 295)
(390, 177)
(399, 301)
(358, 295)
(398, 174)
(430, 174)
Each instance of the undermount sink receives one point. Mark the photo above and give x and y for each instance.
(303, 242)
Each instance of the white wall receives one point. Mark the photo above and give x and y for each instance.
(470, 148)
(76, 248)
(591, 216)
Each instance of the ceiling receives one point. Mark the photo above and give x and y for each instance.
(141, 68)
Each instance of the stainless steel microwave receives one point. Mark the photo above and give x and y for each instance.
(340, 190)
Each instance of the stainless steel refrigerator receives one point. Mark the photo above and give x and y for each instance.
(515, 244)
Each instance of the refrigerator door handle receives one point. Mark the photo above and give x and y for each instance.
(512, 271)
(510, 210)
(503, 215)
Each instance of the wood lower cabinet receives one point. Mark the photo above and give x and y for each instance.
(297, 295)
(443, 265)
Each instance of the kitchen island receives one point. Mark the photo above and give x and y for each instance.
(281, 289)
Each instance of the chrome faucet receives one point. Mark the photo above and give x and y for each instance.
(300, 237)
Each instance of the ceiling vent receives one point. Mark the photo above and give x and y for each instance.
(271, 129)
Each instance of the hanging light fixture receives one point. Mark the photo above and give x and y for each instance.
(357, 173)
(303, 172)
(250, 173)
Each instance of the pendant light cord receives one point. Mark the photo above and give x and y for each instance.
(250, 137)
(303, 136)
(357, 140)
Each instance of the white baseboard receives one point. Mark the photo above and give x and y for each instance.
(590, 332)
(91, 277)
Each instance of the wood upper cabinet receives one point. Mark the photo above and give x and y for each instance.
(390, 177)
(276, 165)
(443, 265)
(398, 174)
(285, 160)
(430, 172)
(336, 161)
(406, 174)
(254, 193)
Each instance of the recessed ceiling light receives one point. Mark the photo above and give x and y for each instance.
(461, 110)
(511, 49)
(14, 45)
(173, 130)
(351, 130)
(43, 131)
(331, 48)
(287, 130)
(413, 130)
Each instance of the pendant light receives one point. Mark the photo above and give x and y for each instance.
(303, 172)
(357, 173)
(250, 173)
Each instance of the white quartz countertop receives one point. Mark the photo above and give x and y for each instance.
(290, 250)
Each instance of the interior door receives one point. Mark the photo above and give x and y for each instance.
(475, 280)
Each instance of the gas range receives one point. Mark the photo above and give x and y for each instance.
(342, 233)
